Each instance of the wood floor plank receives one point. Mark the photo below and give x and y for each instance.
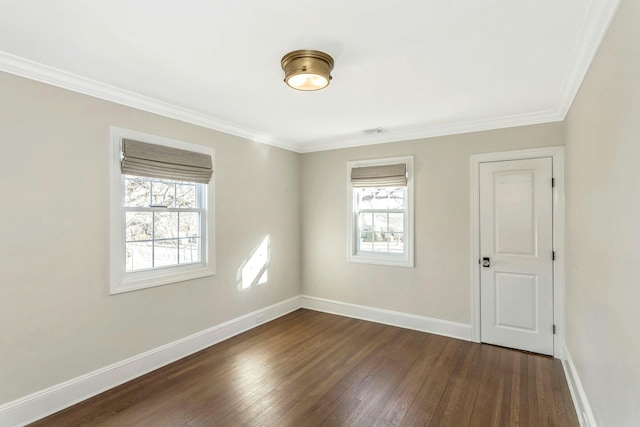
(487, 396)
(514, 409)
(524, 388)
(543, 420)
(430, 394)
(312, 369)
(450, 410)
(394, 410)
(475, 383)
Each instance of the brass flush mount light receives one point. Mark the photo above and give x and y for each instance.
(307, 69)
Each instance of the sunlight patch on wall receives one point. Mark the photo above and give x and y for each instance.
(254, 270)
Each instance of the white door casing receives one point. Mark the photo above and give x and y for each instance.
(516, 242)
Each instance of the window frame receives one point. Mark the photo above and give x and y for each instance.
(405, 259)
(122, 281)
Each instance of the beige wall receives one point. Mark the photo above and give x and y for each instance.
(439, 284)
(57, 320)
(603, 225)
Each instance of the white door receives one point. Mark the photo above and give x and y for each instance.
(516, 249)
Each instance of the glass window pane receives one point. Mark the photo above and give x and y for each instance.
(380, 198)
(163, 193)
(138, 256)
(397, 197)
(165, 252)
(380, 222)
(189, 224)
(373, 198)
(185, 195)
(137, 191)
(381, 228)
(396, 233)
(365, 231)
(396, 222)
(365, 245)
(166, 225)
(139, 225)
(189, 250)
(365, 195)
(396, 243)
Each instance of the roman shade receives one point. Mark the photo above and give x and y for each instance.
(379, 176)
(159, 161)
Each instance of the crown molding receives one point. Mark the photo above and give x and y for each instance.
(594, 29)
(43, 73)
(430, 131)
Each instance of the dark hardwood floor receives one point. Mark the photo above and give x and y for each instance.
(312, 369)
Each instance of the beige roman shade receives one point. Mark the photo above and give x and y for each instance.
(379, 176)
(158, 161)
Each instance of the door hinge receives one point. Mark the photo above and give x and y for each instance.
(554, 329)
(553, 255)
(553, 182)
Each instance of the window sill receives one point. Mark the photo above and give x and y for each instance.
(148, 279)
(382, 260)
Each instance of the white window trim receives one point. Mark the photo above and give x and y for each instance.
(405, 260)
(121, 281)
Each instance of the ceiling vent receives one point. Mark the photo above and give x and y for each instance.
(374, 131)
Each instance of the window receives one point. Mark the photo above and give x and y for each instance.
(162, 222)
(161, 211)
(380, 211)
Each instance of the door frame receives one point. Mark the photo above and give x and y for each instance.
(557, 156)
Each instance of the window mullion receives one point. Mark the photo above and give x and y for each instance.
(381, 210)
(373, 231)
(203, 226)
(153, 237)
(178, 238)
(158, 209)
(151, 193)
(387, 233)
(123, 224)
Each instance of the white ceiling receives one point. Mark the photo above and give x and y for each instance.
(415, 68)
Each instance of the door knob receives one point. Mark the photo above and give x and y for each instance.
(486, 262)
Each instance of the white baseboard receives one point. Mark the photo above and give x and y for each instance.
(394, 318)
(583, 409)
(53, 399)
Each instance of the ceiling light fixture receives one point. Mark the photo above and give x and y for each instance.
(307, 69)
